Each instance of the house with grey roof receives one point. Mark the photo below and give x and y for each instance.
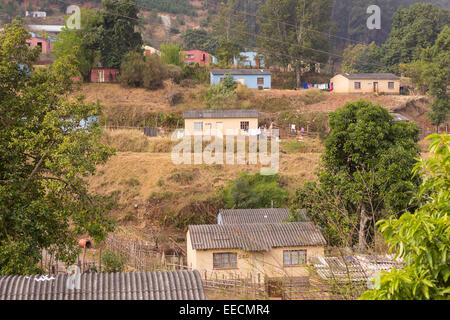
(162, 285)
(251, 78)
(249, 216)
(259, 251)
(363, 83)
(213, 122)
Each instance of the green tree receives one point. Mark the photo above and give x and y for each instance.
(171, 54)
(118, 35)
(422, 238)
(361, 58)
(254, 191)
(48, 146)
(301, 38)
(413, 29)
(365, 172)
(114, 262)
(199, 39)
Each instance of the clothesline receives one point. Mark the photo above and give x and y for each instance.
(320, 86)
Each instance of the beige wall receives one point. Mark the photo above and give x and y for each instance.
(256, 265)
(343, 85)
(210, 125)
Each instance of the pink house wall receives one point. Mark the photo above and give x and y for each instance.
(200, 57)
(46, 45)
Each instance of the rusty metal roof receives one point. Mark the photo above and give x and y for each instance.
(255, 237)
(166, 285)
(354, 268)
(207, 114)
(265, 215)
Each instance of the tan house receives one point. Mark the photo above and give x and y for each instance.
(387, 83)
(260, 251)
(230, 122)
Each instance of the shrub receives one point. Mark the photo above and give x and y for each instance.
(174, 72)
(155, 73)
(222, 95)
(131, 70)
(113, 262)
(174, 96)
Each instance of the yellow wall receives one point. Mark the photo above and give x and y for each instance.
(215, 124)
(256, 265)
(343, 85)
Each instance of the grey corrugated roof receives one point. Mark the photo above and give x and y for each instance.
(369, 76)
(167, 285)
(266, 215)
(398, 117)
(255, 237)
(206, 114)
(241, 71)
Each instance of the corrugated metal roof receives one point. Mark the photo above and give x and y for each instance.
(398, 117)
(353, 268)
(241, 71)
(369, 76)
(167, 285)
(207, 114)
(255, 237)
(265, 215)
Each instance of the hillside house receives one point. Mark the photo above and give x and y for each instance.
(151, 50)
(104, 75)
(203, 58)
(45, 45)
(260, 251)
(386, 83)
(249, 59)
(249, 216)
(36, 14)
(161, 285)
(252, 78)
(219, 122)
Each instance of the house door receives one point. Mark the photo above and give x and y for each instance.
(101, 75)
(375, 87)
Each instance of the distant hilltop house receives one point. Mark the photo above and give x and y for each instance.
(249, 216)
(387, 83)
(249, 59)
(46, 28)
(151, 50)
(161, 285)
(264, 252)
(211, 122)
(104, 75)
(252, 78)
(203, 58)
(36, 14)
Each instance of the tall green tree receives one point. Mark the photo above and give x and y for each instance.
(118, 31)
(171, 54)
(361, 58)
(48, 146)
(413, 29)
(421, 239)
(288, 32)
(365, 173)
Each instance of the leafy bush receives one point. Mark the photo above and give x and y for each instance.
(254, 191)
(139, 71)
(113, 262)
(222, 95)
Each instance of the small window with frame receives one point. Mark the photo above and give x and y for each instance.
(245, 125)
(224, 260)
(198, 126)
(357, 85)
(260, 80)
(391, 85)
(294, 257)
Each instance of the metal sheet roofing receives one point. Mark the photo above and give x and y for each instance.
(266, 215)
(167, 285)
(370, 76)
(255, 237)
(207, 114)
(241, 71)
(354, 268)
(397, 117)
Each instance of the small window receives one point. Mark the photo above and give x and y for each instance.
(245, 125)
(260, 80)
(198, 126)
(294, 257)
(391, 85)
(222, 79)
(357, 85)
(224, 260)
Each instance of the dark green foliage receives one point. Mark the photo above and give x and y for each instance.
(222, 95)
(365, 173)
(113, 262)
(199, 39)
(254, 191)
(48, 146)
(172, 6)
(361, 58)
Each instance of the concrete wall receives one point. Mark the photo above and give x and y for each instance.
(256, 265)
(210, 126)
(251, 81)
(343, 85)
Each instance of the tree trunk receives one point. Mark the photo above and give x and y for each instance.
(298, 74)
(362, 245)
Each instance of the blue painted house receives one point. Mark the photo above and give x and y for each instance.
(252, 78)
(249, 59)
